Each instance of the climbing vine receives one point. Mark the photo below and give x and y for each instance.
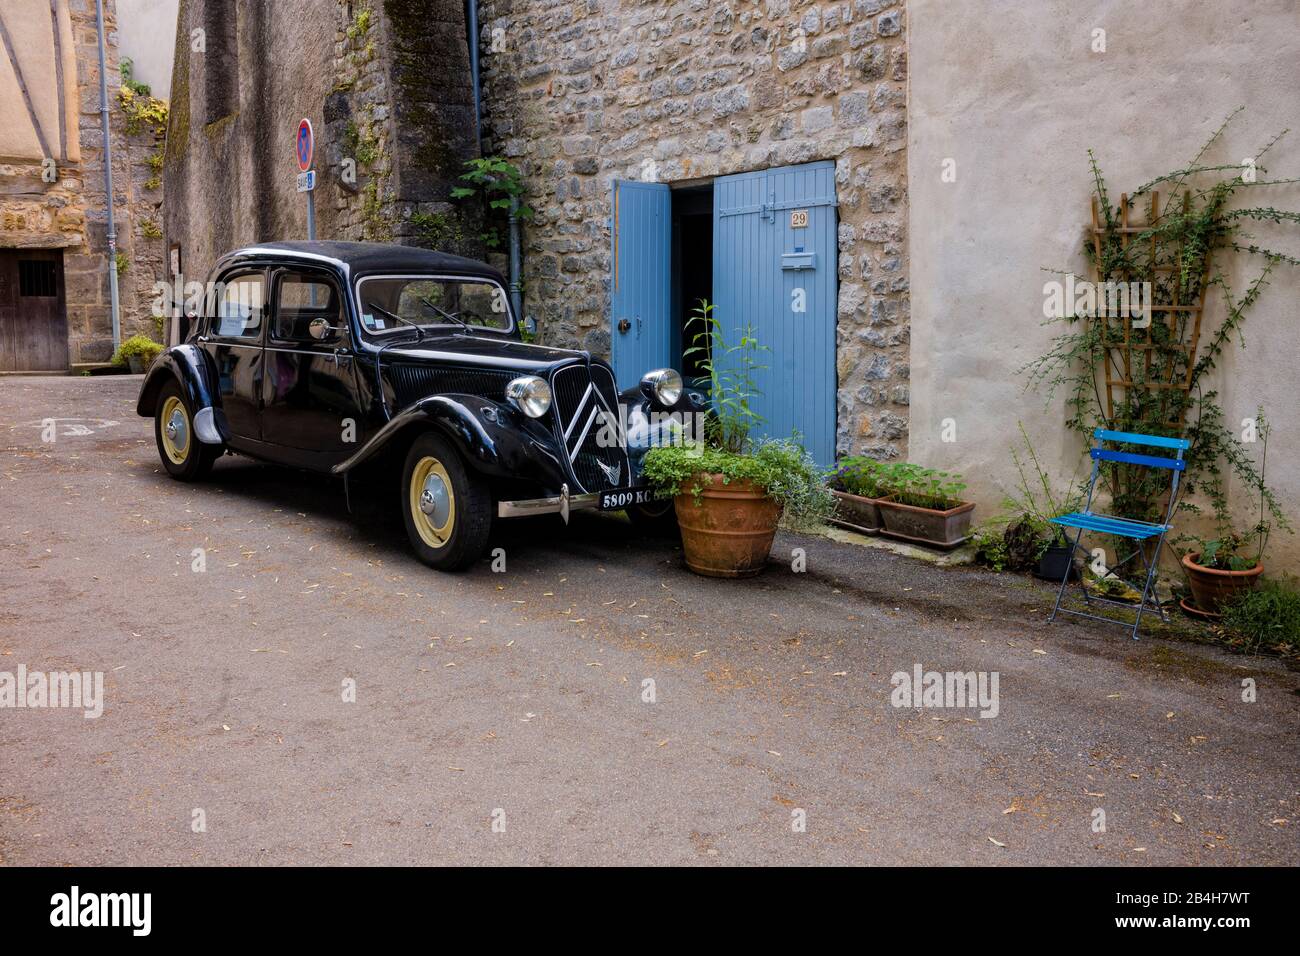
(1176, 254)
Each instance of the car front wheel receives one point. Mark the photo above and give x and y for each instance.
(183, 455)
(655, 520)
(448, 513)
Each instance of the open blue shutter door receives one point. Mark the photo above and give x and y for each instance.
(642, 242)
(782, 279)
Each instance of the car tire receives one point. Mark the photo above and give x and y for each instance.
(446, 510)
(658, 520)
(183, 455)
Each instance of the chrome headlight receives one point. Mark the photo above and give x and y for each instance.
(530, 394)
(663, 385)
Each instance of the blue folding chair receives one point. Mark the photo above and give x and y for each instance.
(1139, 531)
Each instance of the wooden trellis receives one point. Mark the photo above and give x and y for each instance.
(1162, 356)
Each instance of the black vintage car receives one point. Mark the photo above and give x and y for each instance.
(338, 356)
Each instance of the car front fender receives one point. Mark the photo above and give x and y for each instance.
(492, 438)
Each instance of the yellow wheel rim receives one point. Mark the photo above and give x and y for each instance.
(174, 428)
(432, 502)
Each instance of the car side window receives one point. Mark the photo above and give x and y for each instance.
(240, 305)
(302, 298)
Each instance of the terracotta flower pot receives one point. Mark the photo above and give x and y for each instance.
(1212, 588)
(946, 529)
(856, 512)
(727, 530)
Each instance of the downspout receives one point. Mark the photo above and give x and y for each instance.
(472, 16)
(516, 286)
(108, 177)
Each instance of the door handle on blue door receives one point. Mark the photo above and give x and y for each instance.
(623, 326)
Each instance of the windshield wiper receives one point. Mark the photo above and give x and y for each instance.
(444, 313)
(419, 329)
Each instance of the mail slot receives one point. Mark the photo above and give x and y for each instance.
(799, 260)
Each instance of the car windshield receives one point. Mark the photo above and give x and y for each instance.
(395, 302)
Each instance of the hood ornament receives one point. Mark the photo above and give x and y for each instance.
(612, 472)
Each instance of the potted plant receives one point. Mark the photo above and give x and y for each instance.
(923, 506)
(137, 352)
(858, 484)
(1223, 568)
(729, 492)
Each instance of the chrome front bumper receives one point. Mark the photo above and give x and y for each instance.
(561, 504)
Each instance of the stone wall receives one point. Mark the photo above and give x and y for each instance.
(70, 213)
(581, 93)
(392, 130)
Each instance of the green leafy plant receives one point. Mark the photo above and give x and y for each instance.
(140, 346)
(1024, 528)
(911, 484)
(141, 107)
(150, 229)
(781, 468)
(1226, 551)
(731, 370)
(497, 183)
(1268, 615)
(121, 262)
(1174, 254)
(861, 476)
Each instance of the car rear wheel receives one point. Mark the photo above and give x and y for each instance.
(448, 513)
(183, 455)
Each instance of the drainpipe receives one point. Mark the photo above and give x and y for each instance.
(108, 177)
(516, 288)
(472, 16)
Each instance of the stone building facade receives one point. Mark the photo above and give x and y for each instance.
(580, 93)
(56, 210)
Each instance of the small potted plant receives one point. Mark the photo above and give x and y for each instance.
(729, 492)
(858, 484)
(924, 506)
(137, 352)
(1223, 568)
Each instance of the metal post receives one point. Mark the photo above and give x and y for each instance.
(108, 176)
(311, 216)
(516, 287)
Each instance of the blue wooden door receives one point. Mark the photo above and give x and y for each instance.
(641, 232)
(775, 268)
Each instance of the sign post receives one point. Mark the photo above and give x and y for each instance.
(304, 147)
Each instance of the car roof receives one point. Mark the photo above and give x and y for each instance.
(359, 258)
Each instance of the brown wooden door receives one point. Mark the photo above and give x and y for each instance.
(33, 318)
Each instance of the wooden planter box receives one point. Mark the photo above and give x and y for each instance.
(944, 529)
(856, 512)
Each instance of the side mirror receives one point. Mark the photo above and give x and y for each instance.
(322, 331)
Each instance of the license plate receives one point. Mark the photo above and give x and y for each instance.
(625, 498)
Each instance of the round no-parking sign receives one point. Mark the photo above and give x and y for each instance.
(306, 145)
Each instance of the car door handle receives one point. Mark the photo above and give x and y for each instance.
(340, 358)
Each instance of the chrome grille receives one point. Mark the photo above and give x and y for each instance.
(414, 382)
(579, 396)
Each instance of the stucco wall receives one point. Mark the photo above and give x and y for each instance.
(145, 30)
(579, 94)
(1014, 94)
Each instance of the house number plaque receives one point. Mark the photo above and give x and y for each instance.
(799, 219)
